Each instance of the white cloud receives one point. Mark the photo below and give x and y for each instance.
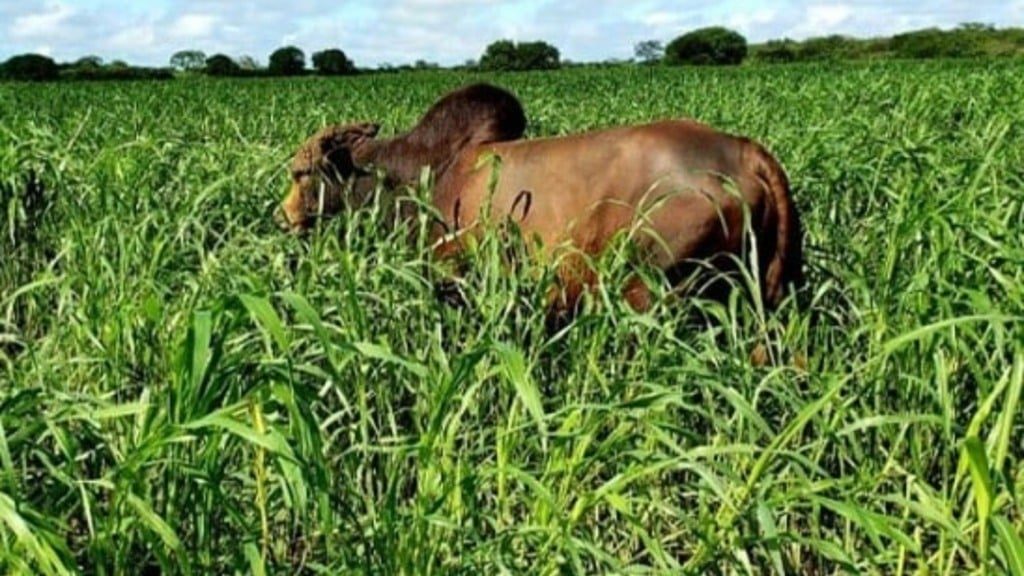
(48, 22)
(661, 18)
(443, 4)
(823, 19)
(134, 38)
(190, 26)
(751, 23)
(445, 31)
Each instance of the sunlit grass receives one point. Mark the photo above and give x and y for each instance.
(185, 390)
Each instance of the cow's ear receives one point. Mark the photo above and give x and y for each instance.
(359, 133)
(348, 136)
(331, 138)
(338, 163)
(335, 152)
(370, 129)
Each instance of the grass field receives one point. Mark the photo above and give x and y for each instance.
(184, 389)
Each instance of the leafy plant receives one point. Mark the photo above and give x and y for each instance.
(186, 390)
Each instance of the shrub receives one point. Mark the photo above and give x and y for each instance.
(333, 62)
(506, 55)
(707, 46)
(34, 67)
(287, 61)
(221, 65)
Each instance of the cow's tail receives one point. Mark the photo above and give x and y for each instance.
(784, 257)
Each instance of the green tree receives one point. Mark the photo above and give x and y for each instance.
(649, 51)
(85, 68)
(963, 42)
(188, 60)
(35, 67)
(834, 47)
(510, 56)
(707, 46)
(222, 65)
(500, 55)
(538, 56)
(976, 27)
(333, 62)
(247, 63)
(287, 61)
(778, 51)
(88, 63)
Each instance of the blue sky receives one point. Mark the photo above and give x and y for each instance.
(444, 31)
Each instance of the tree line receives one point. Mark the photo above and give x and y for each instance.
(714, 45)
(720, 46)
(968, 40)
(285, 61)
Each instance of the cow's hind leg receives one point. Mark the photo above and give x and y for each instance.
(637, 294)
(448, 253)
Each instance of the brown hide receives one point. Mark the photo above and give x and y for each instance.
(678, 188)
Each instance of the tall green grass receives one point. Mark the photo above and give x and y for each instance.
(185, 390)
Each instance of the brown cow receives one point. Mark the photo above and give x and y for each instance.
(679, 189)
(473, 115)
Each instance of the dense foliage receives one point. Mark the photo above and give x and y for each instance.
(509, 56)
(114, 72)
(188, 60)
(333, 62)
(287, 61)
(649, 51)
(934, 43)
(186, 390)
(715, 45)
(32, 67)
(965, 41)
(222, 65)
(707, 46)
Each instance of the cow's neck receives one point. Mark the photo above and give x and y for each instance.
(403, 158)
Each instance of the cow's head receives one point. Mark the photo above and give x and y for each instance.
(321, 171)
